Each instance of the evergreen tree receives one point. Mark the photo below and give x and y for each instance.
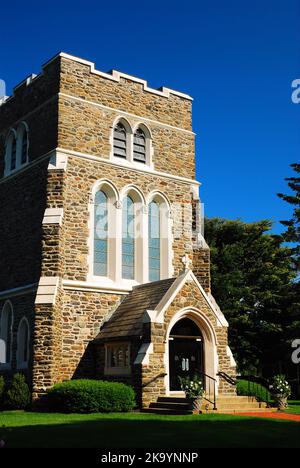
(251, 276)
(292, 233)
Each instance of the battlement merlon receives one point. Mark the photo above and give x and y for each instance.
(70, 75)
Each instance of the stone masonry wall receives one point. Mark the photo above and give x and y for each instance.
(153, 374)
(23, 202)
(82, 316)
(86, 128)
(201, 267)
(77, 80)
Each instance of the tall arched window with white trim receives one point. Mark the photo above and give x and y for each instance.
(24, 145)
(154, 249)
(13, 157)
(23, 344)
(128, 238)
(120, 141)
(6, 327)
(139, 146)
(100, 234)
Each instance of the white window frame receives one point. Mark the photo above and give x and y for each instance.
(22, 128)
(18, 135)
(166, 235)
(130, 131)
(23, 364)
(7, 304)
(117, 370)
(114, 281)
(140, 274)
(112, 247)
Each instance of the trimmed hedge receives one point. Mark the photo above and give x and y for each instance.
(256, 390)
(90, 396)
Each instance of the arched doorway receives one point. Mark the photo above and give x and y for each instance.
(186, 353)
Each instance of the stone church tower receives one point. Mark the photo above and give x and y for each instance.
(104, 271)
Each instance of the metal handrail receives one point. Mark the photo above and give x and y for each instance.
(158, 376)
(253, 382)
(210, 396)
(227, 377)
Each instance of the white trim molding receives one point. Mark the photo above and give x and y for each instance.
(230, 355)
(58, 161)
(6, 334)
(122, 113)
(23, 364)
(211, 361)
(47, 290)
(124, 164)
(178, 284)
(143, 356)
(117, 76)
(104, 285)
(53, 216)
(114, 75)
(20, 291)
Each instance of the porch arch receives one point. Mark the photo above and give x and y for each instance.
(209, 341)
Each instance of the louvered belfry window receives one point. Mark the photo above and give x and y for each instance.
(139, 146)
(120, 141)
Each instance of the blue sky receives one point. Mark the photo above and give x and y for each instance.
(237, 58)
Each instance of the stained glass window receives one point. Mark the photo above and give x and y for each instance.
(100, 234)
(154, 241)
(128, 239)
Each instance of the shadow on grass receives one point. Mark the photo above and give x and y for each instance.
(156, 433)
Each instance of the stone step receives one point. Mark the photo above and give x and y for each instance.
(172, 399)
(225, 404)
(235, 397)
(155, 410)
(248, 404)
(242, 410)
(174, 405)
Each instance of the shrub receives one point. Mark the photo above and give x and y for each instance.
(2, 389)
(18, 393)
(90, 396)
(255, 389)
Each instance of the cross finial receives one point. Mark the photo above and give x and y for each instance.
(186, 261)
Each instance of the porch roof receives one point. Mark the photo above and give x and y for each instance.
(127, 320)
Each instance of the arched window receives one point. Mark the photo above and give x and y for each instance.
(128, 239)
(6, 325)
(154, 241)
(120, 141)
(23, 344)
(100, 234)
(24, 145)
(139, 146)
(13, 157)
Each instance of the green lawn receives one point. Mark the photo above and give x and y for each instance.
(294, 407)
(144, 430)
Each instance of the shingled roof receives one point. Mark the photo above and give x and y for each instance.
(127, 320)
